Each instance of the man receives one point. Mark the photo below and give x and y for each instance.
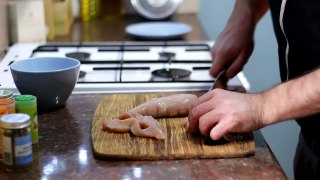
(297, 28)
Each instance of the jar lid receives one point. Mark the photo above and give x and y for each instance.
(25, 101)
(25, 97)
(5, 93)
(15, 121)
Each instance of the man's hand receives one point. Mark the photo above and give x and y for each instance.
(219, 112)
(232, 50)
(235, 44)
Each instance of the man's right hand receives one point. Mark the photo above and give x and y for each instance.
(231, 50)
(235, 44)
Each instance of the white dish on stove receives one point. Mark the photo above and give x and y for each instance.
(158, 30)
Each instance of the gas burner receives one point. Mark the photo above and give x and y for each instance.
(81, 56)
(82, 74)
(167, 55)
(171, 73)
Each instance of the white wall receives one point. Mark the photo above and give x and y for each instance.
(262, 72)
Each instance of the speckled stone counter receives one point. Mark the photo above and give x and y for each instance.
(64, 151)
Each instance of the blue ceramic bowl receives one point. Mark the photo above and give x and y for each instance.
(50, 79)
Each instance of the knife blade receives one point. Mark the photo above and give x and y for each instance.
(221, 81)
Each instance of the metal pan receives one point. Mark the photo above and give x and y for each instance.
(155, 9)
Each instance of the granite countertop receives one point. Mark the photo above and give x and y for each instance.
(64, 151)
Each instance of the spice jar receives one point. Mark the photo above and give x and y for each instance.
(28, 104)
(17, 146)
(10, 105)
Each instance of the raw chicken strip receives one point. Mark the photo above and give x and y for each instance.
(142, 126)
(169, 106)
(146, 126)
(145, 121)
(116, 125)
(153, 131)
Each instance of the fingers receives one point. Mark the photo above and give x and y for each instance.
(192, 125)
(211, 124)
(201, 106)
(219, 60)
(233, 60)
(198, 115)
(235, 68)
(208, 121)
(208, 114)
(216, 67)
(219, 130)
(238, 64)
(206, 97)
(124, 116)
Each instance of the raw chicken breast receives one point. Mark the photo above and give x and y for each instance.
(170, 106)
(142, 126)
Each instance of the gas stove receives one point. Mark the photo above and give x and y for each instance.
(123, 67)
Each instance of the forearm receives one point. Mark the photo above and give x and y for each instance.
(249, 10)
(294, 99)
(261, 7)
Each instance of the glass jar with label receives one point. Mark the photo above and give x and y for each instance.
(17, 146)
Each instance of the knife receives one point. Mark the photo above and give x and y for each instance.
(221, 81)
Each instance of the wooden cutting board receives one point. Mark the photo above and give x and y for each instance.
(178, 145)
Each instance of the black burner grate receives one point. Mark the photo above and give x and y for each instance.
(172, 73)
(81, 56)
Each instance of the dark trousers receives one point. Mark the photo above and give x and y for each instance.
(306, 163)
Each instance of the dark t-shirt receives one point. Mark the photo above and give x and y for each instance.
(301, 23)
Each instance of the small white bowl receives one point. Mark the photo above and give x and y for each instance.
(50, 79)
